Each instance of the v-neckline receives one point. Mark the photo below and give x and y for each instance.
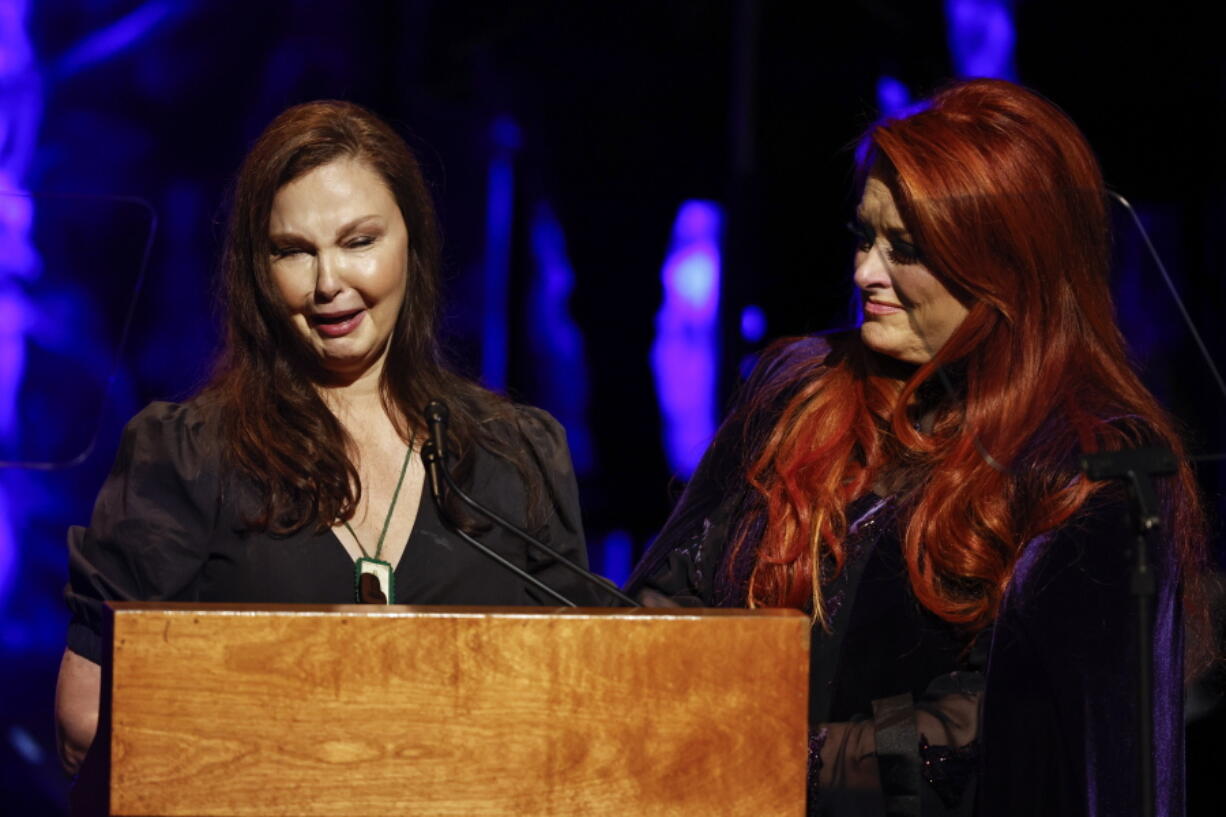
(423, 498)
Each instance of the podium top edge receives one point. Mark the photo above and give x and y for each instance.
(126, 608)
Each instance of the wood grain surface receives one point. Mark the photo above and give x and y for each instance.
(457, 712)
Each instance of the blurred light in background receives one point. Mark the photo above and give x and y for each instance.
(20, 114)
(684, 356)
(118, 36)
(893, 97)
(8, 551)
(558, 363)
(981, 38)
(617, 553)
(25, 745)
(753, 323)
(500, 214)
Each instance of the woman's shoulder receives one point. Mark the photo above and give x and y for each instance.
(1083, 563)
(793, 361)
(522, 456)
(195, 418)
(184, 434)
(784, 355)
(781, 371)
(164, 490)
(525, 428)
(191, 415)
(502, 421)
(538, 427)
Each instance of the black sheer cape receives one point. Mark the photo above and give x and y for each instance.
(910, 716)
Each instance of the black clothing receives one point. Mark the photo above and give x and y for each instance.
(167, 526)
(909, 715)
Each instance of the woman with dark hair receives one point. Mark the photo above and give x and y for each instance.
(915, 486)
(292, 477)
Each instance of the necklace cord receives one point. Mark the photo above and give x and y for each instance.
(387, 520)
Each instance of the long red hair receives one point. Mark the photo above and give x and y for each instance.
(1006, 201)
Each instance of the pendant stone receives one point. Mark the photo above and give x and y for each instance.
(374, 581)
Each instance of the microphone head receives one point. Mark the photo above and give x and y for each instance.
(436, 412)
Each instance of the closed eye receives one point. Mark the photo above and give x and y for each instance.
(360, 241)
(865, 237)
(903, 252)
(288, 252)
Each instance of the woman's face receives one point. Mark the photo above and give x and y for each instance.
(908, 312)
(340, 259)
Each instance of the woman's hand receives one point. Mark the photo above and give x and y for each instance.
(77, 694)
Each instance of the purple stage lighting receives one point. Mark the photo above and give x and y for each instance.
(893, 97)
(555, 339)
(753, 323)
(617, 555)
(499, 213)
(684, 356)
(981, 37)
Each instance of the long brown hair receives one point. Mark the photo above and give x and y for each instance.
(276, 429)
(1006, 201)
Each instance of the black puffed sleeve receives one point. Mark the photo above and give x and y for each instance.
(562, 525)
(151, 526)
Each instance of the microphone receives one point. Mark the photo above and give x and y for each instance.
(437, 416)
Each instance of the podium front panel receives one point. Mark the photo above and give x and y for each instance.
(456, 712)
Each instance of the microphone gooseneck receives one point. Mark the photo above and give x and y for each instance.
(434, 455)
(429, 453)
(602, 583)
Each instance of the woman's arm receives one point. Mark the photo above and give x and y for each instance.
(77, 693)
(147, 540)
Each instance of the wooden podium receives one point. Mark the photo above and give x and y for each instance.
(333, 711)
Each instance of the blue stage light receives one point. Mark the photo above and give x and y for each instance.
(26, 746)
(981, 37)
(893, 97)
(753, 323)
(617, 555)
(561, 380)
(500, 212)
(684, 356)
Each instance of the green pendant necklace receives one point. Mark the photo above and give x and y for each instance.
(374, 580)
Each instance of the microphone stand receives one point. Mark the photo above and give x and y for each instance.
(429, 455)
(1137, 467)
(603, 583)
(439, 473)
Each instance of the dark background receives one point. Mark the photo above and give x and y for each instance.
(611, 115)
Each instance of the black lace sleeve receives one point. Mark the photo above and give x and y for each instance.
(907, 758)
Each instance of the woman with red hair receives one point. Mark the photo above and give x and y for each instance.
(915, 486)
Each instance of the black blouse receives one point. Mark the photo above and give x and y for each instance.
(167, 526)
